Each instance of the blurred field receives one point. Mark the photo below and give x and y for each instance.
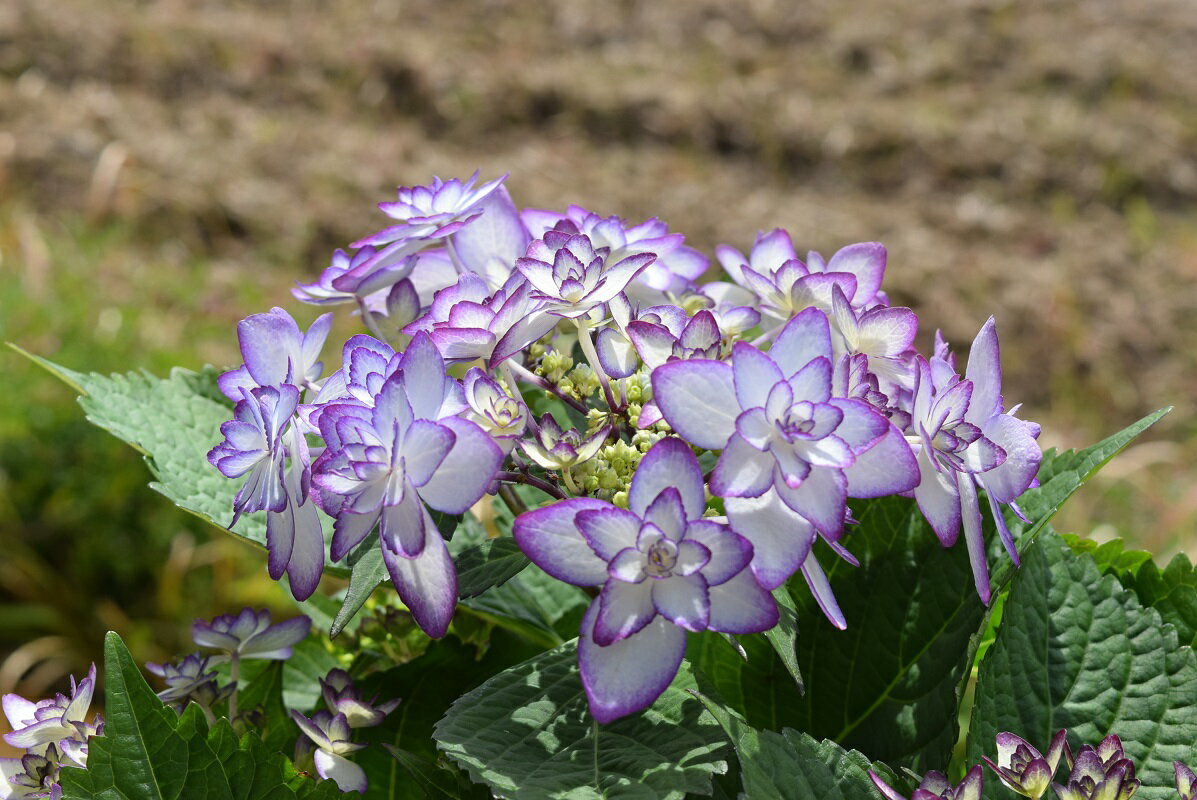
(168, 167)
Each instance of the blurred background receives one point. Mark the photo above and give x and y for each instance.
(169, 167)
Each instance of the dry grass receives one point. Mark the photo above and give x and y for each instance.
(1032, 160)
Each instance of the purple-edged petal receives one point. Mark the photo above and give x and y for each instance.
(498, 235)
(683, 600)
(552, 540)
(1015, 474)
(822, 498)
(608, 530)
(277, 640)
(616, 354)
(425, 446)
(624, 609)
(781, 539)
(939, 500)
(348, 776)
(523, 333)
(402, 526)
(426, 584)
(804, 338)
(974, 537)
(886, 790)
(466, 472)
(820, 587)
(888, 467)
(813, 381)
(742, 470)
(861, 426)
(985, 372)
(754, 375)
(668, 514)
(694, 397)
(1186, 780)
(866, 261)
(629, 675)
(268, 341)
(729, 553)
(668, 464)
(306, 564)
(654, 343)
(741, 605)
(349, 530)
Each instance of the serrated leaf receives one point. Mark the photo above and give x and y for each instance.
(148, 752)
(173, 422)
(889, 684)
(1060, 475)
(1172, 591)
(527, 733)
(1078, 651)
(140, 756)
(428, 685)
(794, 765)
(488, 564)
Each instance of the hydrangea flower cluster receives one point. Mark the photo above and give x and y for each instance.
(692, 438)
(53, 733)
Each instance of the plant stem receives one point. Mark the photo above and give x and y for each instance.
(512, 500)
(592, 357)
(532, 480)
(234, 677)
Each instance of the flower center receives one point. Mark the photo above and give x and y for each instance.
(660, 558)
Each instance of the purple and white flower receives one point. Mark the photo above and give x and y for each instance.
(1186, 781)
(331, 733)
(674, 270)
(37, 725)
(192, 679)
(251, 634)
(969, 441)
(935, 786)
(664, 570)
(389, 462)
(425, 214)
(276, 352)
(342, 697)
(791, 452)
(1023, 768)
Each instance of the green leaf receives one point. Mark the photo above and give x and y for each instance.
(490, 563)
(794, 765)
(148, 752)
(368, 573)
(173, 422)
(428, 685)
(1171, 591)
(1078, 651)
(534, 604)
(140, 756)
(889, 685)
(784, 635)
(1060, 475)
(756, 683)
(435, 782)
(263, 698)
(526, 733)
